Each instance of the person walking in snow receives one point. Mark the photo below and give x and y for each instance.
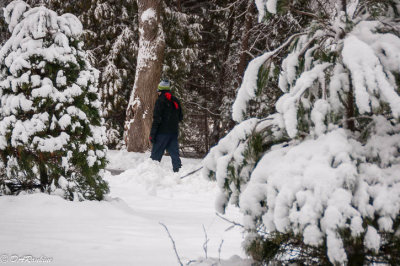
(164, 130)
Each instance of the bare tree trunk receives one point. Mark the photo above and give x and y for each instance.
(244, 57)
(218, 129)
(148, 72)
(350, 124)
(179, 5)
(206, 132)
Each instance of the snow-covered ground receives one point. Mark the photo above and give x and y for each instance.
(125, 229)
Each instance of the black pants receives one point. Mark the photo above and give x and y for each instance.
(167, 142)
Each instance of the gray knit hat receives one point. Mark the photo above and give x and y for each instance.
(164, 85)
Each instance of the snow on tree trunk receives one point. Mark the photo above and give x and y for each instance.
(51, 133)
(148, 72)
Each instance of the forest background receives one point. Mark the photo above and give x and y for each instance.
(208, 45)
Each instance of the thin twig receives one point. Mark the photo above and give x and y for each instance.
(229, 221)
(288, 41)
(237, 224)
(219, 250)
(322, 6)
(341, 122)
(205, 245)
(312, 15)
(225, 8)
(173, 244)
(250, 54)
(190, 261)
(201, 107)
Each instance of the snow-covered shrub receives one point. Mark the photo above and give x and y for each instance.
(51, 133)
(318, 181)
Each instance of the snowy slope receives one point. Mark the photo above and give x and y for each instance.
(125, 230)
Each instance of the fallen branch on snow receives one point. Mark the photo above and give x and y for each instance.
(191, 173)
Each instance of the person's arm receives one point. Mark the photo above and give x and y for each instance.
(180, 111)
(157, 118)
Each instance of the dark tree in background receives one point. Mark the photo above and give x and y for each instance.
(4, 33)
(113, 41)
(231, 37)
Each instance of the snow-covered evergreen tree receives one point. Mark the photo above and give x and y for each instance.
(111, 40)
(318, 181)
(182, 36)
(51, 131)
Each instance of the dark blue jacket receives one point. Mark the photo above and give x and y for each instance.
(167, 115)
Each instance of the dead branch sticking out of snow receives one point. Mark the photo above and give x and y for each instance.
(219, 250)
(205, 245)
(173, 244)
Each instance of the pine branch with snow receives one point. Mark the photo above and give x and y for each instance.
(327, 186)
